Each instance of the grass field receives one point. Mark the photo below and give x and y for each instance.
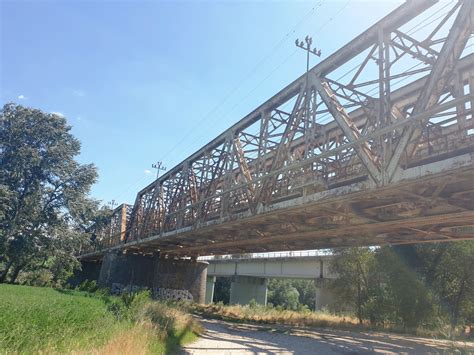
(34, 319)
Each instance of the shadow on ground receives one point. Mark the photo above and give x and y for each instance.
(229, 338)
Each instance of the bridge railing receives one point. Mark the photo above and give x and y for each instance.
(270, 255)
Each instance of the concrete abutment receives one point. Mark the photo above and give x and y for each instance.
(176, 279)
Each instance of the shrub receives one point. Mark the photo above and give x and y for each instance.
(88, 286)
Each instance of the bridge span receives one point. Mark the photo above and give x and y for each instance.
(374, 145)
(250, 275)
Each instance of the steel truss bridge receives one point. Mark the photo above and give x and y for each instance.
(375, 145)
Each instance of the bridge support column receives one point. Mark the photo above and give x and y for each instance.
(126, 272)
(180, 279)
(324, 296)
(176, 279)
(90, 270)
(210, 282)
(243, 289)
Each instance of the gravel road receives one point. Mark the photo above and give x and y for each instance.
(230, 338)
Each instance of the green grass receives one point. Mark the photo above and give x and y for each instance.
(35, 319)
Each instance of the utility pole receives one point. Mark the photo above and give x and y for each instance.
(158, 166)
(112, 204)
(307, 47)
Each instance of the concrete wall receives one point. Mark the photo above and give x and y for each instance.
(129, 272)
(167, 278)
(90, 270)
(244, 289)
(180, 279)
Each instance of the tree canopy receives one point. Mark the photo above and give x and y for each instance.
(412, 286)
(44, 203)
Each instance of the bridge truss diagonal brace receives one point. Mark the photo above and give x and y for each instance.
(245, 171)
(437, 81)
(346, 124)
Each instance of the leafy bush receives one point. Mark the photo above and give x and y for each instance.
(253, 303)
(88, 286)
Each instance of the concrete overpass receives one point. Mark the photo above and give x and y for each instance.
(250, 274)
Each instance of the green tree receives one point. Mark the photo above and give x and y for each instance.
(307, 292)
(453, 278)
(358, 284)
(222, 290)
(446, 268)
(282, 293)
(44, 207)
(411, 302)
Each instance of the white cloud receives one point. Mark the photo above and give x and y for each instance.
(59, 114)
(147, 171)
(21, 97)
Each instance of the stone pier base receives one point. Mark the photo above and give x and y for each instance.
(176, 279)
(180, 279)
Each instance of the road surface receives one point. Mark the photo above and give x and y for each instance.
(231, 338)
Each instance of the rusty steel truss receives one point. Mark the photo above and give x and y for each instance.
(375, 145)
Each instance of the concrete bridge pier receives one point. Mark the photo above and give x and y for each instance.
(174, 279)
(180, 279)
(90, 270)
(126, 272)
(244, 288)
(324, 296)
(210, 283)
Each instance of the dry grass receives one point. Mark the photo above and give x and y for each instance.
(170, 318)
(158, 329)
(132, 341)
(262, 314)
(266, 315)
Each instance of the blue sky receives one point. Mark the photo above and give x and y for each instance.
(146, 81)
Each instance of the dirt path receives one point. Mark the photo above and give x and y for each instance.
(231, 338)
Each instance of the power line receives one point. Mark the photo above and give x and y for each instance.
(130, 186)
(277, 46)
(410, 31)
(274, 70)
(236, 87)
(253, 70)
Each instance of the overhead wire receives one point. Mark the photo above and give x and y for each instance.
(234, 89)
(404, 72)
(277, 46)
(251, 72)
(276, 68)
